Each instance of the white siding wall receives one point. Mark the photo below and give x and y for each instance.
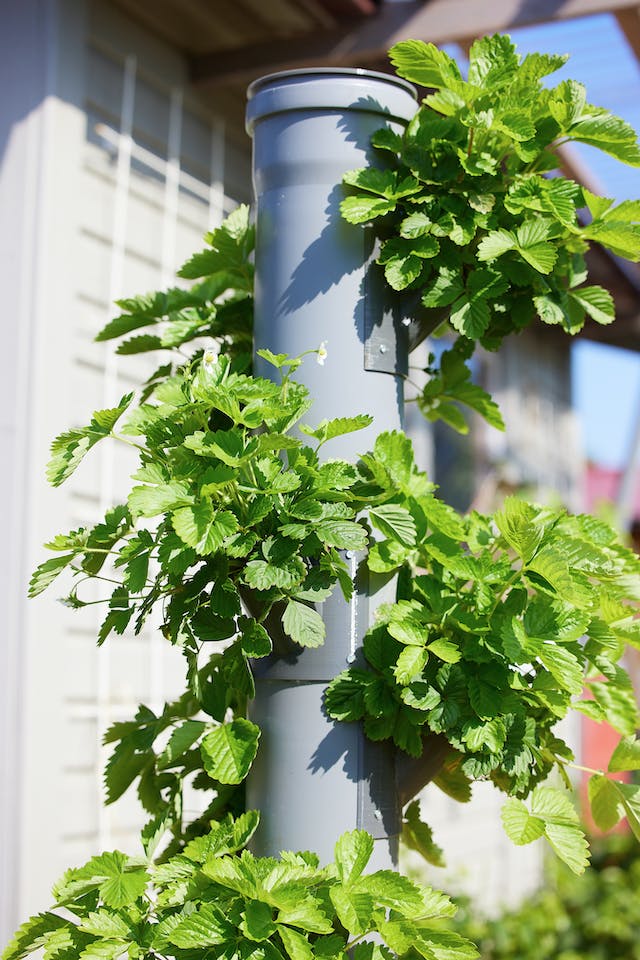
(112, 173)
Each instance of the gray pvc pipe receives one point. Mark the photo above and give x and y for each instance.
(312, 778)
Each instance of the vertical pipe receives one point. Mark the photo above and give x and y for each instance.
(313, 778)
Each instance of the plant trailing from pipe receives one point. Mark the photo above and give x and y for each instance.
(218, 898)
(235, 535)
(472, 214)
(232, 534)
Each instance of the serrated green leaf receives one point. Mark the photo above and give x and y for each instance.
(410, 664)
(597, 303)
(182, 737)
(354, 908)
(495, 244)
(423, 63)
(70, 448)
(516, 523)
(470, 316)
(570, 845)
(567, 102)
(564, 666)
(296, 944)
(202, 527)
(519, 825)
(303, 624)
(104, 923)
(254, 640)
(630, 796)
(204, 927)
(418, 836)
(607, 132)
(395, 522)
(621, 238)
(352, 853)
(44, 574)
(606, 803)
(32, 935)
(257, 922)
(328, 429)
(147, 501)
(626, 756)
(229, 750)
(343, 534)
(362, 209)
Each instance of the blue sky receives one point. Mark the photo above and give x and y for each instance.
(606, 381)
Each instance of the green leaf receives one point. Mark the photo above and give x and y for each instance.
(444, 945)
(32, 935)
(626, 755)
(479, 400)
(255, 641)
(417, 224)
(567, 102)
(262, 575)
(618, 705)
(354, 908)
(597, 303)
(328, 429)
(343, 534)
(182, 737)
(362, 209)
(384, 182)
(470, 316)
(410, 664)
(204, 927)
(564, 667)
(533, 246)
(46, 573)
(630, 796)
(519, 825)
(607, 132)
(418, 836)
(516, 524)
(395, 522)
(70, 448)
(147, 501)
(303, 624)
(202, 527)
(621, 238)
(445, 289)
(492, 61)
(120, 881)
(495, 244)
(306, 913)
(423, 63)
(352, 853)
(104, 923)
(606, 803)
(257, 923)
(144, 343)
(570, 845)
(296, 944)
(229, 750)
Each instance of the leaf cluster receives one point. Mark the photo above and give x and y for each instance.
(214, 898)
(219, 305)
(501, 626)
(472, 213)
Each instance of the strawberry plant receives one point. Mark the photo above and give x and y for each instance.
(236, 526)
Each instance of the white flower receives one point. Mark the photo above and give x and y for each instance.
(209, 358)
(322, 353)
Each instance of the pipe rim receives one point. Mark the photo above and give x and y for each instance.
(268, 79)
